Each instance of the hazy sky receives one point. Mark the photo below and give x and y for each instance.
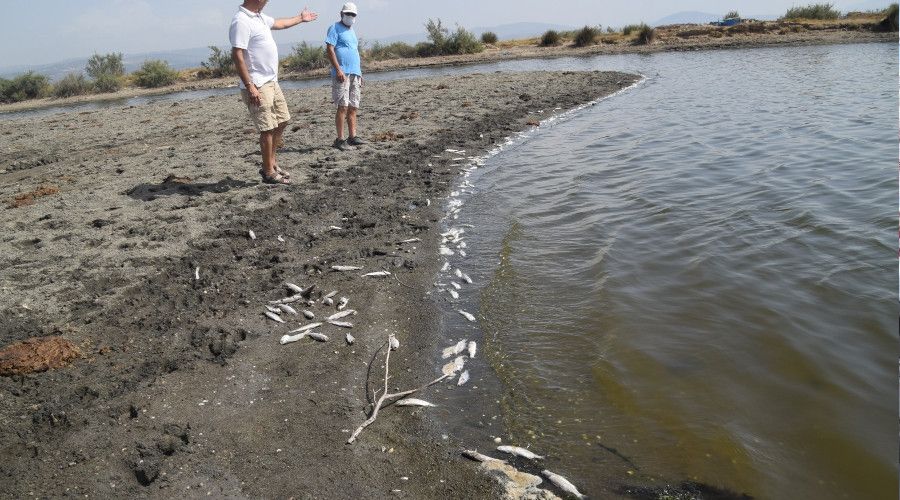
(44, 31)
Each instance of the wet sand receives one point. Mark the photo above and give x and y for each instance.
(182, 387)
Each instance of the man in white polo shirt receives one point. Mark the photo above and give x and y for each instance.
(255, 56)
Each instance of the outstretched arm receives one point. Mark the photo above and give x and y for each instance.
(288, 22)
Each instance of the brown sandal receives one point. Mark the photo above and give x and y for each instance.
(275, 179)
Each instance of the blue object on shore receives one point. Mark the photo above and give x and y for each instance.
(728, 22)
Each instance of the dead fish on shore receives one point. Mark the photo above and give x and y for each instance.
(393, 342)
(454, 366)
(306, 327)
(342, 324)
(289, 339)
(562, 483)
(330, 295)
(280, 238)
(342, 314)
(327, 301)
(377, 274)
(345, 268)
(350, 339)
(321, 337)
(473, 347)
(335, 228)
(466, 278)
(454, 349)
(466, 315)
(459, 273)
(274, 317)
(343, 303)
(288, 309)
(414, 402)
(519, 452)
(308, 315)
(462, 253)
(463, 378)
(453, 293)
(456, 285)
(197, 274)
(446, 267)
(411, 240)
(446, 251)
(251, 234)
(478, 457)
(273, 309)
(294, 288)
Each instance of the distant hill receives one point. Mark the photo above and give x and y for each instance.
(517, 31)
(688, 17)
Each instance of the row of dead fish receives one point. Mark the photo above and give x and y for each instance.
(557, 480)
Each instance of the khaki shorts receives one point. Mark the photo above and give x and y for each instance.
(348, 92)
(273, 110)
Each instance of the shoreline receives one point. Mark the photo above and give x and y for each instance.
(182, 384)
(670, 43)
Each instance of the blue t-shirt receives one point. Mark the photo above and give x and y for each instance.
(346, 48)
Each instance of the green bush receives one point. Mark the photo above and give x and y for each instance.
(437, 34)
(631, 28)
(107, 83)
(610, 30)
(550, 38)
(71, 85)
(586, 36)
(489, 37)
(305, 57)
(396, 50)
(29, 85)
(109, 64)
(813, 11)
(646, 35)
(732, 15)
(443, 43)
(155, 73)
(463, 42)
(889, 23)
(218, 65)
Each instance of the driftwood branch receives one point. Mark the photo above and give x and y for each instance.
(386, 396)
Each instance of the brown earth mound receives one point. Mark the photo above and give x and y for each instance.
(37, 355)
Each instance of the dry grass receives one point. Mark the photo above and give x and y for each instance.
(388, 136)
(25, 199)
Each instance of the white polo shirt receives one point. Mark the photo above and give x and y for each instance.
(253, 32)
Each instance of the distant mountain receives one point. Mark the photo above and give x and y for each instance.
(517, 31)
(688, 17)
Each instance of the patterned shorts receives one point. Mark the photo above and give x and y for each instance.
(346, 93)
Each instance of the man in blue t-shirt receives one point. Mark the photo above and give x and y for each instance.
(346, 75)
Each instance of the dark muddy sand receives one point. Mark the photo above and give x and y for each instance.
(181, 387)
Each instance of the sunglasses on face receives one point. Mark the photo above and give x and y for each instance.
(349, 14)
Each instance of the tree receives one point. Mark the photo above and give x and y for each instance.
(106, 65)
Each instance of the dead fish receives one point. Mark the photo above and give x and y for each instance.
(428, 202)
(467, 279)
(346, 268)
(466, 315)
(473, 347)
(342, 314)
(294, 288)
(446, 251)
(287, 300)
(449, 369)
(308, 314)
(335, 228)
(327, 301)
(562, 483)
(288, 309)
(463, 378)
(350, 339)
(456, 285)
(343, 303)
(394, 343)
(459, 274)
(330, 295)
(446, 267)
(274, 317)
(478, 457)
(462, 253)
(414, 402)
(342, 324)
(453, 293)
(287, 339)
(459, 347)
(377, 274)
(251, 234)
(197, 274)
(411, 240)
(449, 351)
(273, 309)
(519, 452)
(306, 327)
(279, 238)
(318, 336)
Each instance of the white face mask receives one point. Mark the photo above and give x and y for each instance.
(348, 20)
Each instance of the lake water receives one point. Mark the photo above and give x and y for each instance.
(693, 281)
(696, 280)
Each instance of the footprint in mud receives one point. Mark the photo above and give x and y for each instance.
(184, 187)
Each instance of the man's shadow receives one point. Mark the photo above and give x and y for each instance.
(184, 186)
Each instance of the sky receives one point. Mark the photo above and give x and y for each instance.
(46, 31)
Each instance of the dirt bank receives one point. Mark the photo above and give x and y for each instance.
(181, 387)
(669, 38)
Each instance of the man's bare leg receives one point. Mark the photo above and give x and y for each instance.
(339, 121)
(351, 121)
(267, 147)
(279, 135)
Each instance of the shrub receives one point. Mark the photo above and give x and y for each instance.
(813, 11)
(732, 15)
(305, 57)
(437, 34)
(26, 86)
(631, 28)
(155, 73)
(396, 50)
(109, 64)
(218, 65)
(463, 42)
(71, 85)
(107, 83)
(586, 36)
(610, 30)
(489, 37)
(550, 38)
(443, 43)
(889, 23)
(646, 35)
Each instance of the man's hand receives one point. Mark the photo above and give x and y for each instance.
(306, 16)
(255, 97)
(340, 75)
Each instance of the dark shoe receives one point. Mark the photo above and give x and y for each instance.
(341, 144)
(356, 141)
